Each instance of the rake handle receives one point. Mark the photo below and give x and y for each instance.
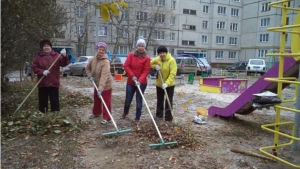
(36, 85)
(105, 106)
(237, 149)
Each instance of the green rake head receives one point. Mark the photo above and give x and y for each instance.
(162, 144)
(116, 132)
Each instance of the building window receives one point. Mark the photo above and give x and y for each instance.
(205, 9)
(189, 11)
(204, 39)
(219, 55)
(143, 1)
(79, 50)
(204, 53)
(232, 55)
(102, 31)
(221, 25)
(232, 41)
(125, 14)
(265, 7)
(220, 39)
(221, 10)
(205, 24)
(236, 0)
(142, 32)
(160, 2)
(265, 22)
(160, 18)
(262, 53)
(172, 36)
(264, 37)
(80, 11)
(173, 5)
(141, 16)
(154, 51)
(80, 30)
(172, 51)
(189, 27)
(172, 20)
(287, 21)
(234, 12)
(159, 35)
(124, 32)
(233, 26)
(188, 42)
(123, 49)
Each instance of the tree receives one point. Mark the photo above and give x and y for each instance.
(24, 23)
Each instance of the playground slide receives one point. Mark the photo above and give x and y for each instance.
(243, 104)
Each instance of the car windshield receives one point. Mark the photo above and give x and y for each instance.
(256, 62)
(203, 60)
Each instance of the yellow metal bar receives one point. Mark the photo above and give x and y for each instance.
(284, 27)
(286, 108)
(284, 54)
(266, 127)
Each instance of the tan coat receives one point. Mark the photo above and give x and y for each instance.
(100, 70)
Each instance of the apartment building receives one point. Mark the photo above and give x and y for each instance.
(223, 31)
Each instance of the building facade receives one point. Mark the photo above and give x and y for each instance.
(222, 31)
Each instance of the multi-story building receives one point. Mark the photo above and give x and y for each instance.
(223, 31)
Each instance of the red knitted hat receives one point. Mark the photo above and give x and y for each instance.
(45, 41)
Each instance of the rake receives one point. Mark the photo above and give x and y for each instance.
(117, 129)
(163, 143)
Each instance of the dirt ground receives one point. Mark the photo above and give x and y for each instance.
(214, 139)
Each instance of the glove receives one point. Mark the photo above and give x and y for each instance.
(157, 67)
(99, 93)
(164, 85)
(134, 78)
(63, 52)
(46, 72)
(137, 83)
(91, 78)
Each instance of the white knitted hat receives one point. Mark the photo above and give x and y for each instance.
(141, 41)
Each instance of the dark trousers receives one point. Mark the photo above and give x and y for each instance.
(130, 90)
(162, 102)
(52, 93)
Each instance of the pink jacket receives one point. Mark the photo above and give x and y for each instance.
(43, 62)
(138, 66)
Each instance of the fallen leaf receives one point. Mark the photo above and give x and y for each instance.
(170, 157)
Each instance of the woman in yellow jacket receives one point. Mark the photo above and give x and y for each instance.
(166, 64)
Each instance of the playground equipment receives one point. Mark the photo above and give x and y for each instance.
(221, 84)
(284, 73)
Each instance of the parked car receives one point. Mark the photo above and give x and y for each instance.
(187, 63)
(237, 66)
(256, 66)
(116, 65)
(79, 65)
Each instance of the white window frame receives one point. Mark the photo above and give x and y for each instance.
(159, 35)
(264, 37)
(172, 20)
(125, 14)
(205, 9)
(80, 30)
(80, 11)
(172, 36)
(204, 38)
(220, 40)
(232, 40)
(123, 49)
(173, 4)
(219, 54)
(102, 31)
(190, 11)
(204, 52)
(124, 32)
(233, 26)
(143, 1)
(188, 43)
(262, 53)
(265, 7)
(221, 10)
(221, 25)
(160, 2)
(236, 0)
(232, 55)
(264, 22)
(189, 27)
(160, 18)
(205, 24)
(235, 12)
(141, 16)
(172, 51)
(142, 32)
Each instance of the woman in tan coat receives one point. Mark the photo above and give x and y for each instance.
(98, 70)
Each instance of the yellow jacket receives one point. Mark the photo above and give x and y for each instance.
(168, 69)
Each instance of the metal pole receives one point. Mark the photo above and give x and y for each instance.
(297, 117)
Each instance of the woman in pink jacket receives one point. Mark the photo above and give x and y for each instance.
(137, 67)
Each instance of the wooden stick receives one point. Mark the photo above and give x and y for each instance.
(237, 149)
